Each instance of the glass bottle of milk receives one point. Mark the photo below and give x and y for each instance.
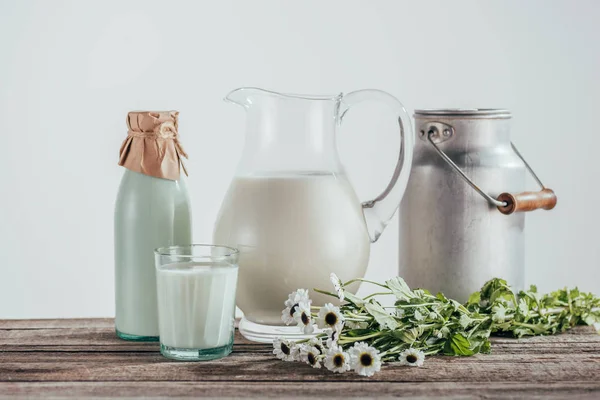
(152, 210)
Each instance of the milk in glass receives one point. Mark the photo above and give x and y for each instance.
(196, 303)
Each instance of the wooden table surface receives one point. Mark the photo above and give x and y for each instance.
(82, 357)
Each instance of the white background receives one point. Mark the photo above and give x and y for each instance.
(70, 71)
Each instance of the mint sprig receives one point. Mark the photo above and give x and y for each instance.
(436, 324)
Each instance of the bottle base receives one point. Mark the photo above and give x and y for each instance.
(180, 354)
(135, 338)
(268, 333)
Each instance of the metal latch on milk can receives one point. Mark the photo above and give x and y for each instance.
(507, 203)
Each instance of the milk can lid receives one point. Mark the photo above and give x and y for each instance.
(464, 112)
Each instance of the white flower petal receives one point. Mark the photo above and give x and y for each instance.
(285, 350)
(337, 360)
(297, 297)
(303, 318)
(338, 286)
(412, 357)
(333, 335)
(287, 316)
(310, 355)
(337, 283)
(364, 359)
(318, 343)
(329, 317)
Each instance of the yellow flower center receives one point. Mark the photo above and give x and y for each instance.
(331, 319)
(411, 358)
(366, 359)
(305, 319)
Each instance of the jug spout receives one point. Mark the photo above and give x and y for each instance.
(244, 96)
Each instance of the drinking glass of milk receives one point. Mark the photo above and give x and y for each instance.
(196, 300)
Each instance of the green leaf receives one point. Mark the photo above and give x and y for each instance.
(400, 288)
(353, 298)
(485, 348)
(418, 316)
(458, 345)
(474, 299)
(382, 317)
(409, 336)
(590, 319)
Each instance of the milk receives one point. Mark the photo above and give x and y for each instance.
(292, 231)
(150, 212)
(196, 304)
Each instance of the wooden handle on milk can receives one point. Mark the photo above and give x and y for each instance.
(527, 201)
(507, 203)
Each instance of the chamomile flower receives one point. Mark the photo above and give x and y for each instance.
(412, 357)
(337, 284)
(337, 360)
(310, 355)
(287, 314)
(298, 296)
(329, 317)
(333, 335)
(291, 305)
(303, 318)
(285, 350)
(364, 359)
(318, 343)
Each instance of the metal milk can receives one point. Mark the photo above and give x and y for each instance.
(461, 219)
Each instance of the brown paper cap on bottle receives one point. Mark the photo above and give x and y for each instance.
(152, 145)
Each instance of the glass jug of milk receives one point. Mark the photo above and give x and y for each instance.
(291, 210)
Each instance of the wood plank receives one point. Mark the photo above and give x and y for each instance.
(80, 323)
(445, 390)
(581, 339)
(53, 323)
(252, 366)
(518, 349)
(105, 337)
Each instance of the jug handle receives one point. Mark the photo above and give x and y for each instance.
(379, 211)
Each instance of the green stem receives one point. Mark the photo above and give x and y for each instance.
(432, 352)
(377, 294)
(364, 317)
(326, 292)
(347, 339)
(393, 349)
(364, 280)
(415, 305)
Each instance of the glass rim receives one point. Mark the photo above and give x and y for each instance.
(169, 251)
(332, 97)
